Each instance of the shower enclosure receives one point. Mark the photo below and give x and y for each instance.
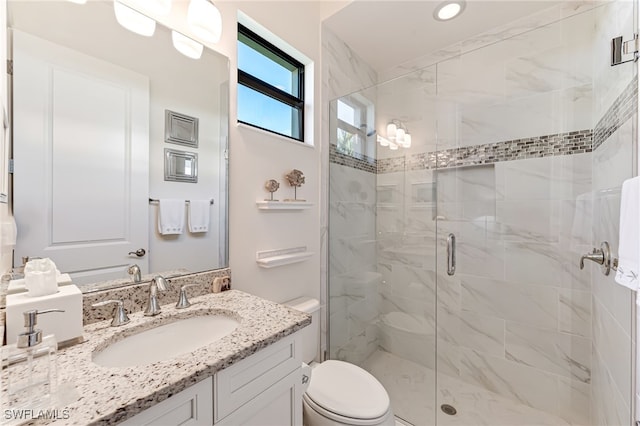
(454, 252)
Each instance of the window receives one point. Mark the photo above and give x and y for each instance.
(270, 87)
(352, 136)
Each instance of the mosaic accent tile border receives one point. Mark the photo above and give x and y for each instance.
(569, 143)
(576, 142)
(355, 161)
(620, 111)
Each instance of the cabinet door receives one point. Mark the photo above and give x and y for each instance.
(279, 405)
(252, 376)
(191, 407)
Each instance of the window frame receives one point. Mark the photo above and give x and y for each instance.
(261, 86)
(362, 111)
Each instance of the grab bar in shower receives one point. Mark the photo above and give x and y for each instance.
(451, 254)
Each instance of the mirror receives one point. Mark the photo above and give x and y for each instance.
(91, 130)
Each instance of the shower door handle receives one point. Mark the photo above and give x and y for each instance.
(451, 254)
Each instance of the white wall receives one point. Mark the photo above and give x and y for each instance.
(255, 157)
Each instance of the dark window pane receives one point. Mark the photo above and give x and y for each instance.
(267, 113)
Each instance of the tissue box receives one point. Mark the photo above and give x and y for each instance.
(18, 286)
(64, 325)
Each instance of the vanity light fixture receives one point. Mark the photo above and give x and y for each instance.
(133, 20)
(397, 136)
(154, 7)
(187, 46)
(205, 20)
(449, 10)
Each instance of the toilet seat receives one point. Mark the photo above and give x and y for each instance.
(346, 393)
(342, 420)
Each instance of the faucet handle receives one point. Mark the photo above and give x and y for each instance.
(602, 257)
(119, 316)
(183, 302)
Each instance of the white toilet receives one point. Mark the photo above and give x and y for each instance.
(339, 393)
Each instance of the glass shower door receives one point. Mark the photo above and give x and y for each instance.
(535, 136)
(382, 222)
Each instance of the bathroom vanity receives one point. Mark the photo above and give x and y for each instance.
(250, 376)
(263, 389)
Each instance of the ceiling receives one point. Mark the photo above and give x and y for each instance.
(388, 33)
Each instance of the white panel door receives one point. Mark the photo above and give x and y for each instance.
(81, 142)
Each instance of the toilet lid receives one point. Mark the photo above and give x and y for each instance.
(347, 390)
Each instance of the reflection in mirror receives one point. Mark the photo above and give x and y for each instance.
(89, 119)
(180, 166)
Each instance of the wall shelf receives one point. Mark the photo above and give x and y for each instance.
(283, 205)
(281, 257)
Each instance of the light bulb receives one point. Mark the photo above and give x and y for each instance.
(400, 136)
(133, 20)
(407, 140)
(205, 20)
(188, 47)
(391, 131)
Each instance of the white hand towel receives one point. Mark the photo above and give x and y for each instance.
(199, 215)
(629, 248)
(170, 216)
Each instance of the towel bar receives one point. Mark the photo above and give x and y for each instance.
(155, 201)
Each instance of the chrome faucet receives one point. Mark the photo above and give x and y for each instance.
(157, 283)
(134, 273)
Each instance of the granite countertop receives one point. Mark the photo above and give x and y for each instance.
(106, 396)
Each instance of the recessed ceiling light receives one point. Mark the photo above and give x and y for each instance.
(449, 10)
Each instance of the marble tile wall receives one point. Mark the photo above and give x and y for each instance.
(510, 31)
(613, 306)
(343, 72)
(353, 279)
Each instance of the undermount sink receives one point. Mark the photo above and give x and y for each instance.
(166, 341)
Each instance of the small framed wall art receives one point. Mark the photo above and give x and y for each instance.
(180, 129)
(180, 166)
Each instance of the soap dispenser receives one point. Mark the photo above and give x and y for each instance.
(29, 373)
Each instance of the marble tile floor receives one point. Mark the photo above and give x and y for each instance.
(412, 387)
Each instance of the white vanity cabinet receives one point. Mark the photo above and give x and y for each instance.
(191, 407)
(264, 389)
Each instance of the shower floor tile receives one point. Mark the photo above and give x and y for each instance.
(411, 388)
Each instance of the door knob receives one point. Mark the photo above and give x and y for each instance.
(140, 252)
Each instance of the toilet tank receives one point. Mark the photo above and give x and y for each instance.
(311, 333)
